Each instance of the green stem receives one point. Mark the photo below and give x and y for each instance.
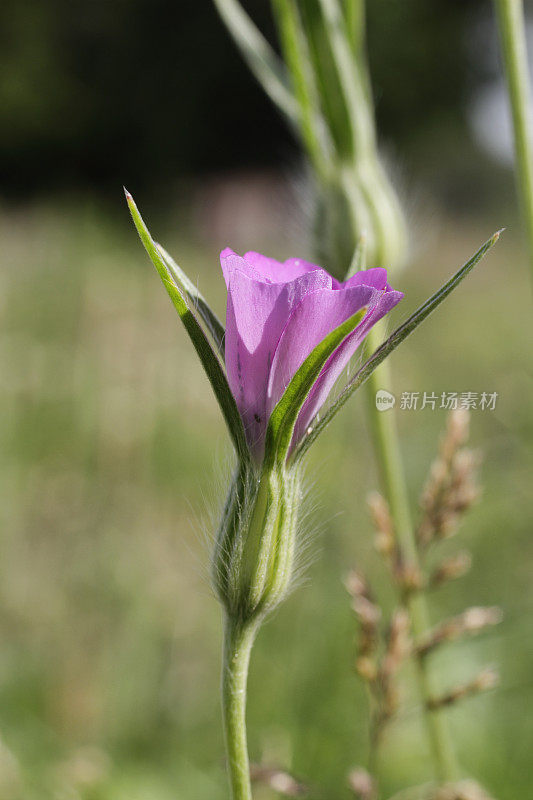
(296, 56)
(238, 641)
(510, 15)
(354, 13)
(392, 475)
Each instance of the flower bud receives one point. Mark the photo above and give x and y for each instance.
(253, 558)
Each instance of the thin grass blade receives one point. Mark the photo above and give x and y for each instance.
(394, 340)
(353, 84)
(295, 50)
(260, 57)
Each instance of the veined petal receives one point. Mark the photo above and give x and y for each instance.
(279, 271)
(230, 262)
(277, 314)
(257, 313)
(378, 307)
(376, 277)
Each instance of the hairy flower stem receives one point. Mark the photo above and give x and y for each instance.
(238, 641)
(252, 567)
(387, 447)
(510, 15)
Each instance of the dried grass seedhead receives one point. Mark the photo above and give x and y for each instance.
(362, 784)
(381, 518)
(278, 780)
(397, 648)
(469, 623)
(457, 433)
(464, 790)
(487, 679)
(380, 653)
(368, 614)
(398, 643)
(450, 490)
(452, 487)
(406, 575)
(451, 569)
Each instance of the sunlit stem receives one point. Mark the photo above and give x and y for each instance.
(510, 15)
(392, 475)
(354, 12)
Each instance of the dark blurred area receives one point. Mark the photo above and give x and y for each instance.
(153, 91)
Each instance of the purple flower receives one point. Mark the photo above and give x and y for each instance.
(276, 315)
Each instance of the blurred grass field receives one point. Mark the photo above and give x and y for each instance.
(113, 459)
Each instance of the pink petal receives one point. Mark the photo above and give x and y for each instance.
(277, 313)
(230, 261)
(339, 360)
(310, 322)
(257, 313)
(376, 277)
(278, 271)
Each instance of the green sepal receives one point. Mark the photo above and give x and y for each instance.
(209, 357)
(285, 414)
(255, 547)
(395, 339)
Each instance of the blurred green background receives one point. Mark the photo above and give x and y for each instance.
(113, 456)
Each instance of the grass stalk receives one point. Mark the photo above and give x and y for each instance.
(511, 23)
(392, 475)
